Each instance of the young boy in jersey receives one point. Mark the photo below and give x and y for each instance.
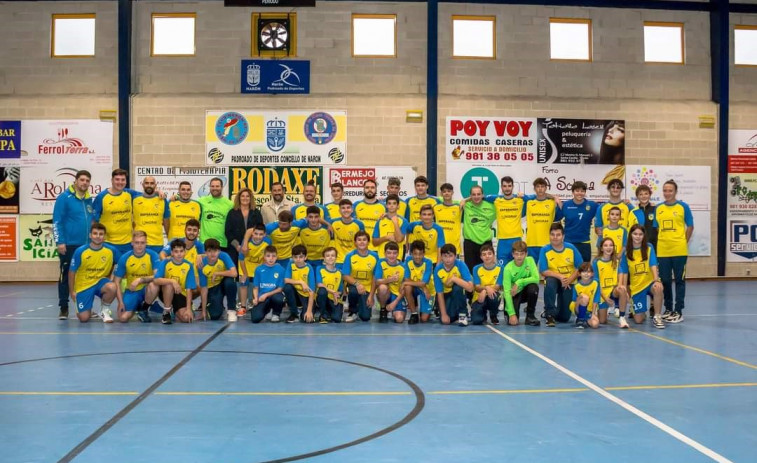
(586, 298)
(614, 231)
(613, 294)
(448, 215)
(138, 268)
(390, 275)
(615, 189)
(357, 272)
(486, 279)
(540, 212)
(284, 234)
(268, 287)
(429, 232)
(299, 286)
(89, 275)
(217, 281)
(176, 277)
(328, 280)
(255, 243)
(520, 284)
(579, 214)
(421, 198)
(390, 228)
(451, 280)
(332, 208)
(315, 237)
(393, 187)
(345, 229)
(419, 287)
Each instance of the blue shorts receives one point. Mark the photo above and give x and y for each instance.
(122, 248)
(157, 250)
(640, 299)
(133, 299)
(534, 252)
(315, 263)
(401, 306)
(505, 250)
(86, 298)
(424, 305)
(604, 306)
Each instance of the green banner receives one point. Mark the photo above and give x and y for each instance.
(36, 235)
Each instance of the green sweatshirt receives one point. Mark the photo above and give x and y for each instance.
(524, 275)
(477, 222)
(213, 219)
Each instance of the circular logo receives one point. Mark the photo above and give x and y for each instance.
(320, 128)
(336, 155)
(232, 128)
(480, 176)
(215, 155)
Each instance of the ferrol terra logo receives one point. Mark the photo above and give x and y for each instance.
(63, 143)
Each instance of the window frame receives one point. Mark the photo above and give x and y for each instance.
(683, 41)
(57, 16)
(743, 27)
(586, 21)
(172, 15)
(464, 17)
(371, 16)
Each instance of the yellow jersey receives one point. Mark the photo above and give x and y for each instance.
(331, 279)
(385, 227)
(368, 214)
(304, 273)
(540, 215)
(148, 217)
(183, 273)
(130, 267)
(254, 256)
(285, 240)
(591, 290)
(222, 264)
(92, 265)
(414, 205)
(450, 218)
(315, 241)
(115, 212)
(485, 277)
(386, 270)
(361, 267)
(442, 275)
(671, 221)
(344, 237)
(639, 271)
(626, 218)
(509, 214)
(180, 212)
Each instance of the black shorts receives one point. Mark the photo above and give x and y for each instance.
(178, 302)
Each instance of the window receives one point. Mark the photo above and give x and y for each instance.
(663, 42)
(745, 45)
(374, 35)
(73, 36)
(474, 37)
(570, 39)
(173, 34)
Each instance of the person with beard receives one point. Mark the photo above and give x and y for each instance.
(151, 214)
(299, 211)
(215, 208)
(113, 208)
(369, 209)
(182, 209)
(278, 202)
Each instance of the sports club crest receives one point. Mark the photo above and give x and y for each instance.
(253, 75)
(275, 134)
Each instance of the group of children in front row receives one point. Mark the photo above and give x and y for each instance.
(318, 292)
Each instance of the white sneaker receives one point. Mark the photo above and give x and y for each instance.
(616, 312)
(275, 319)
(106, 316)
(268, 316)
(462, 321)
(95, 315)
(622, 323)
(351, 318)
(231, 315)
(658, 323)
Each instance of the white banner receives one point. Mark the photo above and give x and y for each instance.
(693, 183)
(42, 184)
(275, 138)
(742, 240)
(353, 177)
(700, 244)
(168, 178)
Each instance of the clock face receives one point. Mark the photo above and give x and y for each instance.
(274, 36)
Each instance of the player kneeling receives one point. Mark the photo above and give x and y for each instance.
(267, 288)
(614, 295)
(586, 298)
(176, 278)
(328, 279)
(486, 281)
(299, 284)
(452, 279)
(217, 274)
(138, 268)
(419, 288)
(390, 275)
(89, 275)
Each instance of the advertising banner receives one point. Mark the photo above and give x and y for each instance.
(742, 151)
(36, 237)
(353, 177)
(259, 180)
(266, 76)
(742, 195)
(742, 240)
(10, 140)
(42, 184)
(275, 138)
(168, 178)
(561, 177)
(9, 189)
(581, 141)
(694, 183)
(9, 238)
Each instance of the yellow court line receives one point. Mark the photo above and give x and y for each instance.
(325, 393)
(511, 391)
(678, 386)
(697, 349)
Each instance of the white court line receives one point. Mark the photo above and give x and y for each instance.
(644, 416)
(724, 315)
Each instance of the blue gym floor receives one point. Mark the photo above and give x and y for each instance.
(366, 392)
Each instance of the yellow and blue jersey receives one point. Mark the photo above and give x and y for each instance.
(626, 218)
(361, 267)
(385, 227)
(450, 218)
(414, 205)
(432, 237)
(92, 265)
(300, 211)
(639, 271)
(442, 275)
(401, 208)
(333, 212)
(619, 237)
(509, 213)
(183, 273)
(671, 221)
(222, 264)
(315, 241)
(304, 273)
(540, 214)
(132, 267)
(148, 217)
(268, 278)
(484, 276)
(115, 212)
(190, 255)
(368, 214)
(331, 279)
(344, 237)
(564, 262)
(180, 213)
(421, 273)
(254, 255)
(606, 272)
(386, 270)
(285, 240)
(592, 290)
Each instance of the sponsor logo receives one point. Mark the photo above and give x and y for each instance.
(49, 189)
(287, 77)
(232, 128)
(215, 155)
(743, 239)
(275, 134)
(750, 146)
(253, 75)
(63, 143)
(336, 155)
(645, 176)
(320, 128)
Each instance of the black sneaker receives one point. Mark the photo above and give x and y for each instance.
(532, 321)
(551, 321)
(144, 316)
(323, 320)
(166, 320)
(383, 316)
(677, 317)
(293, 319)
(667, 314)
(63, 314)
(414, 319)
(494, 320)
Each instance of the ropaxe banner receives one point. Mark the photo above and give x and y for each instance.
(275, 138)
(260, 179)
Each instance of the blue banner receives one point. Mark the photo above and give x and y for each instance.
(267, 76)
(10, 139)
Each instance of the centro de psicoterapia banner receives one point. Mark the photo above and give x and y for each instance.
(275, 138)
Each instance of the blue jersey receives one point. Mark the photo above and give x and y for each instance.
(268, 279)
(578, 219)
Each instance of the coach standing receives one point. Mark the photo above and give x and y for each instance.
(478, 217)
(72, 216)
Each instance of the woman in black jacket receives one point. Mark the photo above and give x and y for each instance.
(243, 216)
